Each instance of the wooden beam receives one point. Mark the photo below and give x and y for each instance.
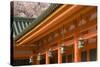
(86, 36)
(90, 35)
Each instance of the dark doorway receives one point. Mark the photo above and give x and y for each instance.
(84, 56)
(93, 54)
(20, 62)
(70, 58)
(54, 58)
(42, 61)
(63, 58)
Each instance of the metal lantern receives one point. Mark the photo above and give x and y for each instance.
(49, 53)
(62, 49)
(39, 57)
(80, 42)
(31, 59)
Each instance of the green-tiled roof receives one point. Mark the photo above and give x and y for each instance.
(23, 25)
(20, 24)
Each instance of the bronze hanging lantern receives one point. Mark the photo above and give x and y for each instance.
(39, 57)
(49, 53)
(31, 59)
(62, 49)
(81, 43)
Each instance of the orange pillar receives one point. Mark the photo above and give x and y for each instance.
(47, 58)
(59, 56)
(76, 51)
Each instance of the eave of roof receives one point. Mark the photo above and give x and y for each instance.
(20, 24)
(63, 15)
(38, 20)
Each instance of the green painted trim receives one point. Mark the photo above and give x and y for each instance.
(38, 20)
(23, 19)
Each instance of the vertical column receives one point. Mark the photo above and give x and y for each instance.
(76, 51)
(59, 55)
(47, 58)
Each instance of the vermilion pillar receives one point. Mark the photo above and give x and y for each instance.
(47, 58)
(59, 56)
(76, 51)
